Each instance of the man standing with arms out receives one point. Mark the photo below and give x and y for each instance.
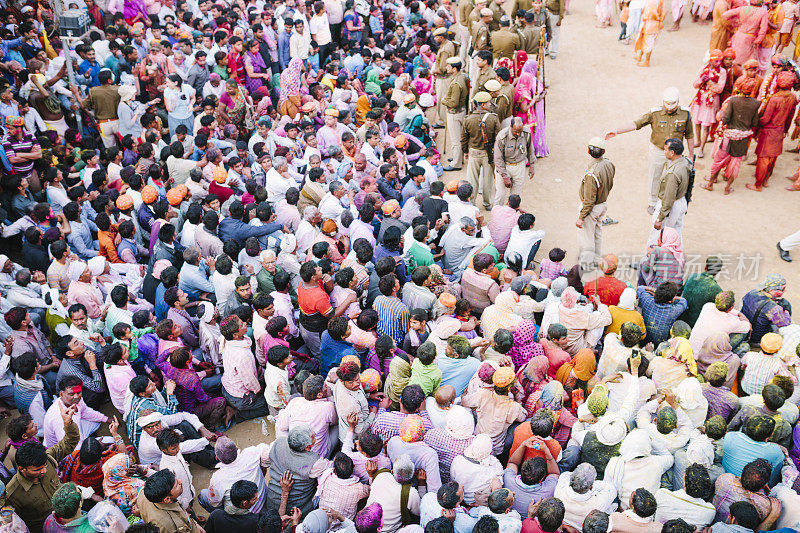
(477, 139)
(446, 50)
(104, 100)
(504, 41)
(672, 189)
(555, 11)
(595, 188)
(776, 117)
(667, 122)
(513, 151)
(455, 100)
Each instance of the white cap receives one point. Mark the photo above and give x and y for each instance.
(152, 418)
(671, 95)
(597, 142)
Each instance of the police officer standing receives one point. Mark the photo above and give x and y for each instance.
(513, 151)
(595, 187)
(477, 141)
(455, 101)
(667, 122)
(672, 188)
(446, 50)
(504, 41)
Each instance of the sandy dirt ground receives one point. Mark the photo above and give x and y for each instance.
(595, 86)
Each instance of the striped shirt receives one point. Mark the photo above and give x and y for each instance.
(12, 145)
(759, 369)
(57, 277)
(447, 448)
(393, 318)
(139, 404)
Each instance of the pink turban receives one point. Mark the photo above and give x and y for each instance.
(569, 298)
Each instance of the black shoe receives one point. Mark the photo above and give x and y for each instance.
(450, 169)
(784, 253)
(438, 126)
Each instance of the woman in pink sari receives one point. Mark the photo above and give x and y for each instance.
(529, 106)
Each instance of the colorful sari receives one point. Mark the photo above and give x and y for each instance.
(528, 86)
(118, 485)
(289, 102)
(505, 62)
(525, 346)
(255, 85)
(237, 111)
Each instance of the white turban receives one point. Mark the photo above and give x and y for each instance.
(459, 423)
(610, 429)
(205, 312)
(75, 270)
(671, 95)
(97, 265)
(480, 448)
(152, 418)
(701, 450)
(288, 243)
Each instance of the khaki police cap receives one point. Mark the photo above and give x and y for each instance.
(486, 12)
(597, 142)
(455, 60)
(440, 31)
(482, 97)
(492, 85)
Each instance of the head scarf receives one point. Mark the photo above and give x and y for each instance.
(288, 243)
(690, 394)
(291, 79)
(773, 282)
(343, 168)
(533, 376)
(362, 107)
(610, 429)
(553, 396)
(373, 84)
(525, 87)
(717, 348)
(160, 266)
(501, 314)
(506, 62)
(627, 299)
(480, 450)
(525, 346)
(486, 371)
(680, 350)
(584, 364)
(459, 424)
(503, 377)
(786, 79)
(97, 265)
(671, 241)
(205, 312)
(597, 402)
(636, 444)
(700, 450)
(118, 485)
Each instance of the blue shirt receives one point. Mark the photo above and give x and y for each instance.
(331, 352)
(457, 372)
(94, 71)
(393, 318)
(284, 50)
(161, 306)
(739, 450)
(81, 242)
(194, 279)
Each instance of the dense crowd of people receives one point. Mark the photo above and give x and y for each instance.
(242, 211)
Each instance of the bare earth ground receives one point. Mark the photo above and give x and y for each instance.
(595, 86)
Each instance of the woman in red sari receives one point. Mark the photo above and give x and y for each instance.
(710, 81)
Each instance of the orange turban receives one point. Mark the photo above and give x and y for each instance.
(716, 53)
(729, 54)
(447, 299)
(744, 85)
(786, 79)
(149, 194)
(176, 194)
(220, 175)
(329, 227)
(124, 202)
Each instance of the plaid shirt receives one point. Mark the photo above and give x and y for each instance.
(551, 270)
(341, 494)
(759, 369)
(447, 448)
(658, 318)
(188, 389)
(393, 318)
(729, 489)
(387, 423)
(139, 404)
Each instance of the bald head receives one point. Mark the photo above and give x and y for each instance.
(516, 126)
(445, 396)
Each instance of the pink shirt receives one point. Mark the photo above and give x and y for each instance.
(318, 414)
(502, 220)
(241, 375)
(711, 320)
(86, 294)
(118, 377)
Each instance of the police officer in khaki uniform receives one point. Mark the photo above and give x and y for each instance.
(595, 188)
(672, 188)
(532, 34)
(465, 7)
(497, 14)
(666, 122)
(475, 17)
(477, 139)
(481, 35)
(513, 151)
(505, 97)
(483, 71)
(446, 50)
(504, 41)
(455, 101)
